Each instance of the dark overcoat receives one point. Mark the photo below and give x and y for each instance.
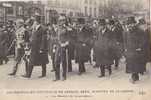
(136, 49)
(117, 40)
(4, 39)
(83, 45)
(72, 37)
(39, 43)
(104, 47)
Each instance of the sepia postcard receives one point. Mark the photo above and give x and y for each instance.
(75, 50)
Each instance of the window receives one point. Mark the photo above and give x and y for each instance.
(90, 1)
(86, 1)
(90, 11)
(20, 10)
(94, 12)
(86, 11)
(94, 2)
(10, 11)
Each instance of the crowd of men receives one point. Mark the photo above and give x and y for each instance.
(66, 40)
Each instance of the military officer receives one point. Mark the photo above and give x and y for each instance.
(61, 53)
(20, 39)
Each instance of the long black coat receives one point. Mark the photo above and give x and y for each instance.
(103, 48)
(39, 43)
(136, 60)
(83, 45)
(117, 39)
(4, 39)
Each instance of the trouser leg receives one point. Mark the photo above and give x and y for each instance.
(1, 61)
(15, 68)
(83, 67)
(80, 67)
(26, 67)
(19, 56)
(135, 76)
(53, 61)
(110, 70)
(102, 68)
(44, 70)
(64, 63)
(69, 64)
(116, 62)
(57, 72)
(30, 70)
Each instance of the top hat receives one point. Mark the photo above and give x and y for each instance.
(111, 22)
(81, 20)
(102, 21)
(131, 20)
(142, 21)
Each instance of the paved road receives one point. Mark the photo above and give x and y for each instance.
(114, 87)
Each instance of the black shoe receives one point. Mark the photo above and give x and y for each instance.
(64, 79)
(42, 76)
(1, 62)
(101, 76)
(110, 72)
(25, 76)
(6, 61)
(80, 73)
(132, 81)
(142, 73)
(69, 70)
(116, 67)
(52, 70)
(56, 80)
(12, 74)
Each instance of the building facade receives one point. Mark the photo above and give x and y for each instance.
(73, 8)
(12, 10)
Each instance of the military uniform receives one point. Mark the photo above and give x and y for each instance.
(21, 35)
(61, 53)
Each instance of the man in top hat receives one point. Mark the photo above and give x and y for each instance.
(39, 48)
(135, 49)
(83, 45)
(103, 48)
(117, 38)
